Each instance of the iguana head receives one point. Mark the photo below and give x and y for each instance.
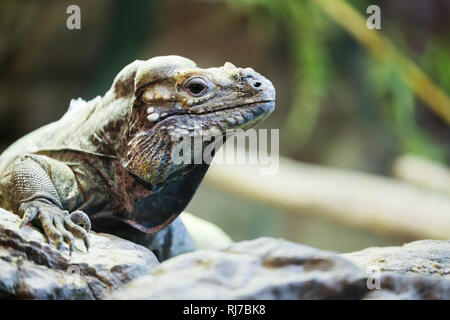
(170, 96)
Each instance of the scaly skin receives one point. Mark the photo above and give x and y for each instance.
(108, 160)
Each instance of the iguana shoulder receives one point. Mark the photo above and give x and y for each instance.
(75, 132)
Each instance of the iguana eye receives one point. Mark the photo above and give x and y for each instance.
(197, 87)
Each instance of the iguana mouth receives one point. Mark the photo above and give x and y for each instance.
(227, 117)
(243, 105)
(215, 110)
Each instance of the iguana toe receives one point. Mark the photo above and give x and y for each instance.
(68, 237)
(81, 218)
(29, 213)
(47, 218)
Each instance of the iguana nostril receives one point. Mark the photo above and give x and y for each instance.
(257, 84)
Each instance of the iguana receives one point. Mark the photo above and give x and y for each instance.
(109, 160)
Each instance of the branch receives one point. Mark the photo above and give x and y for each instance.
(357, 199)
(422, 172)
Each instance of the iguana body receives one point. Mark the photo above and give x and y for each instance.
(109, 160)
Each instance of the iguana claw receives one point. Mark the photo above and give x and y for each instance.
(81, 218)
(58, 225)
(73, 222)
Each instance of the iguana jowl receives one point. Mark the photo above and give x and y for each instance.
(108, 160)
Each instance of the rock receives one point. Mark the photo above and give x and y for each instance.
(420, 257)
(268, 268)
(264, 268)
(403, 269)
(260, 269)
(33, 269)
(205, 234)
(171, 241)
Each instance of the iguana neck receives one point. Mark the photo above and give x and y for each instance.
(112, 127)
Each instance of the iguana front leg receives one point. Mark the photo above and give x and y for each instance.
(29, 184)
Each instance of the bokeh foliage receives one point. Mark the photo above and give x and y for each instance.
(312, 35)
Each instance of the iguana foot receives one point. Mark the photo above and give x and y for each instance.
(58, 224)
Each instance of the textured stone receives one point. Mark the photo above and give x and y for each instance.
(404, 269)
(31, 268)
(420, 257)
(265, 268)
(260, 269)
(268, 268)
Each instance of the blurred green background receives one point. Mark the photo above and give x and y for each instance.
(337, 105)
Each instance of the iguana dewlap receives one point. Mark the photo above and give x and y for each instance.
(109, 160)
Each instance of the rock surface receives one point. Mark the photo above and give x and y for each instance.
(268, 268)
(416, 270)
(33, 269)
(264, 268)
(420, 257)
